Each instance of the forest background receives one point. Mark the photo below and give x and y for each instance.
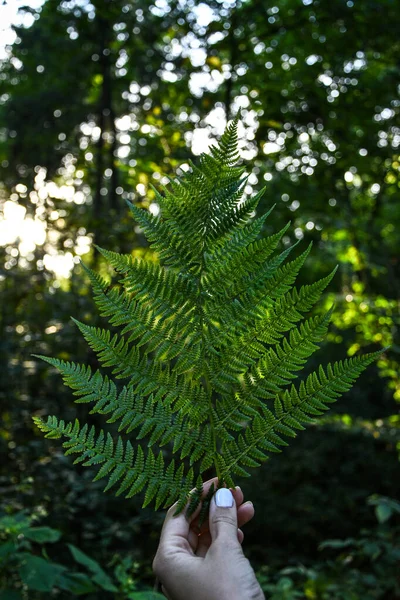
(100, 99)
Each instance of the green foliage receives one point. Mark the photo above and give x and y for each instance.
(25, 574)
(21, 568)
(359, 568)
(385, 508)
(283, 589)
(202, 350)
(317, 482)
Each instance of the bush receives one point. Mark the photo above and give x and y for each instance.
(361, 568)
(27, 571)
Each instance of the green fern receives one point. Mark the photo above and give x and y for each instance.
(208, 346)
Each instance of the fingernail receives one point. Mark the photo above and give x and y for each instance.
(224, 498)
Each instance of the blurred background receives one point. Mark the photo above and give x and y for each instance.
(100, 99)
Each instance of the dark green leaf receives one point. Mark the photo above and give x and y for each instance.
(42, 535)
(98, 575)
(76, 583)
(40, 574)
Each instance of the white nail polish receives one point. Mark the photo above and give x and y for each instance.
(224, 498)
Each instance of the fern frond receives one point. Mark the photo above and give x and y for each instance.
(143, 327)
(149, 282)
(293, 408)
(243, 262)
(289, 309)
(226, 153)
(279, 364)
(88, 386)
(119, 462)
(274, 370)
(205, 345)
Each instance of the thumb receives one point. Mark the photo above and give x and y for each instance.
(223, 517)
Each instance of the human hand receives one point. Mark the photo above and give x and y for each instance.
(209, 565)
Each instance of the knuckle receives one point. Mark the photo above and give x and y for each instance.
(224, 518)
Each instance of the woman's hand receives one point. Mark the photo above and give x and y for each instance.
(209, 565)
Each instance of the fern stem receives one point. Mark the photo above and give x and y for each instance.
(212, 423)
(207, 384)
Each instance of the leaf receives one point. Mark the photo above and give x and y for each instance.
(104, 581)
(383, 512)
(12, 524)
(40, 574)
(98, 575)
(336, 544)
(384, 507)
(42, 535)
(84, 559)
(372, 549)
(6, 549)
(77, 583)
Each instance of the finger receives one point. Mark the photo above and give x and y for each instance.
(179, 525)
(204, 542)
(195, 518)
(176, 529)
(223, 518)
(237, 494)
(201, 543)
(245, 513)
